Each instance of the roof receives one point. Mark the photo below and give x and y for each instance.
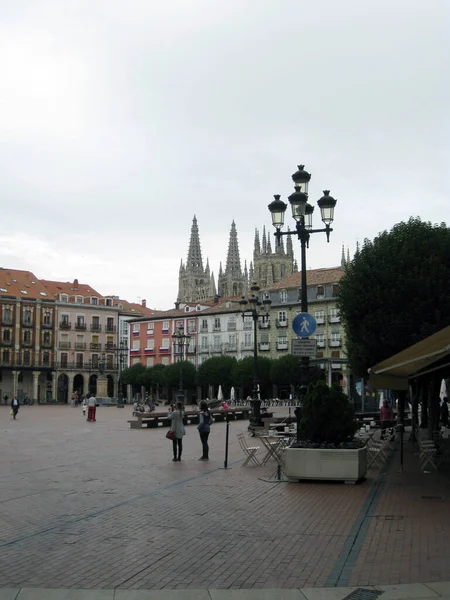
(133, 308)
(23, 284)
(314, 277)
(71, 289)
(394, 372)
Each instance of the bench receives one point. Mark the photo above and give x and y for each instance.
(191, 417)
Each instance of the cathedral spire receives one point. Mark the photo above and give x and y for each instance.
(194, 263)
(233, 265)
(269, 245)
(348, 255)
(207, 268)
(264, 242)
(289, 249)
(343, 257)
(257, 246)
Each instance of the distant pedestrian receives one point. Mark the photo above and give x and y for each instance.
(386, 417)
(15, 404)
(92, 409)
(84, 406)
(176, 415)
(225, 406)
(204, 428)
(5, 399)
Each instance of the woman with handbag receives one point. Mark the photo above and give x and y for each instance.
(204, 426)
(177, 428)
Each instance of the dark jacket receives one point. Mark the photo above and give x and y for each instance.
(15, 406)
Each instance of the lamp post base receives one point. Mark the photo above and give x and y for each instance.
(255, 415)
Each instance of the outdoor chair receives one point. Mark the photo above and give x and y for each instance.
(427, 454)
(249, 451)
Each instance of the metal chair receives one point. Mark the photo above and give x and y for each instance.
(249, 451)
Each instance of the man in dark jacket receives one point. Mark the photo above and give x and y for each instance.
(15, 404)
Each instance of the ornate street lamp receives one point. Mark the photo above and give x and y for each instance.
(181, 340)
(253, 307)
(302, 213)
(122, 351)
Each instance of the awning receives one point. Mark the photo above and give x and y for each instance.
(394, 372)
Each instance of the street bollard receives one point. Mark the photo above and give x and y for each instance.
(225, 464)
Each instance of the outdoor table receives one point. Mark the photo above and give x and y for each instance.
(274, 446)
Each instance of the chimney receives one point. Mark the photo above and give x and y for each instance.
(216, 299)
(144, 303)
(75, 283)
(177, 305)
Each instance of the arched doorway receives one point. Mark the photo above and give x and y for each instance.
(63, 388)
(78, 384)
(110, 386)
(93, 384)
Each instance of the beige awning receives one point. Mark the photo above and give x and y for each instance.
(394, 372)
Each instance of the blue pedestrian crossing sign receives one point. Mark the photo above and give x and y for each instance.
(304, 325)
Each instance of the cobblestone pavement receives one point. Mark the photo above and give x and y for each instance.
(97, 505)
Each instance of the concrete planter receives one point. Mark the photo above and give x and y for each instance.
(326, 464)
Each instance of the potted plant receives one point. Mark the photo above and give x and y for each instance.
(327, 447)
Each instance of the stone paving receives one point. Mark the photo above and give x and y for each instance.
(97, 505)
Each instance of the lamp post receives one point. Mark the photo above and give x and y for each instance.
(121, 359)
(302, 213)
(254, 308)
(180, 340)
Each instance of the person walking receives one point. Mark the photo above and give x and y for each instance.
(5, 399)
(204, 428)
(386, 418)
(177, 426)
(15, 404)
(92, 409)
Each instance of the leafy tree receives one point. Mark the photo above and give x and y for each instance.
(243, 373)
(327, 416)
(286, 370)
(156, 378)
(395, 292)
(134, 375)
(172, 375)
(216, 371)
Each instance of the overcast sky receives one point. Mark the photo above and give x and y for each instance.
(120, 120)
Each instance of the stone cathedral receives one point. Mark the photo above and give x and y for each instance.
(196, 283)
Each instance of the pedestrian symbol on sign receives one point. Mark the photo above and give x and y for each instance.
(304, 325)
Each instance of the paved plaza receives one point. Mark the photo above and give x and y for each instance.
(99, 506)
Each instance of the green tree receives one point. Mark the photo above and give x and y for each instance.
(395, 292)
(216, 371)
(172, 375)
(134, 375)
(156, 378)
(286, 370)
(242, 374)
(327, 417)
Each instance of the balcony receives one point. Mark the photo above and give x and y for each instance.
(164, 350)
(230, 347)
(216, 349)
(264, 324)
(110, 346)
(64, 345)
(264, 346)
(7, 322)
(320, 320)
(190, 349)
(334, 319)
(231, 326)
(81, 326)
(27, 344)
(95, 346)
(46, 345)
(281, 323)
(110, 328)
(246, 345)
(65, 325)
(203, 350)
(248, 326)
(96, 327)
(320, 344)
(216, 328)
(334, 343)
(204, 329)
(149, 350)
(47, 326)
(282, 346)
(27, 323)
(79, 346)
(5, 342)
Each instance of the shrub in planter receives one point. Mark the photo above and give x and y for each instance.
(327, 420)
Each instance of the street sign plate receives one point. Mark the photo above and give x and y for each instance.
(301, 347)
(304, 324)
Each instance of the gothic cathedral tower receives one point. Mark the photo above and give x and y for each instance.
(232, 281)
(269, 267)
(195, 283)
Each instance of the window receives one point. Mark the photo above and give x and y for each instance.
(191, 326)
(135, 361)
(23, 292)
(79, 361)
(217, 324)
(283, 296)
(3, 290)
(46, 358)
(110, 324)
(7, 315)
(26, 357)
(109, 361)
(5, 356)
(150, 328)
(216, 341)
(335, 340)
(319, 315)
(282, 318)
(27, 337)
(282, 340)
(334, 315)
(165, 326)
(135, 327)
(79, 299)
(27, 317)
(64, 320)
(165, 344)
(204, 341)
(335, 289)
(95, 361)
(6, 335)
(150, 361)
(64, 343)
(64, 298)
(320, 292)
(150, 344)
(136, 346)
(108, 302)
(94, 300)
(42, 293)
(165, 360)
(64, 356)
(248, 340)
(80, 322)
(46, 338)
(95, 326)
(232, 340)
(282, 271)
(47, 318)
(204, 324)
(320, 340)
